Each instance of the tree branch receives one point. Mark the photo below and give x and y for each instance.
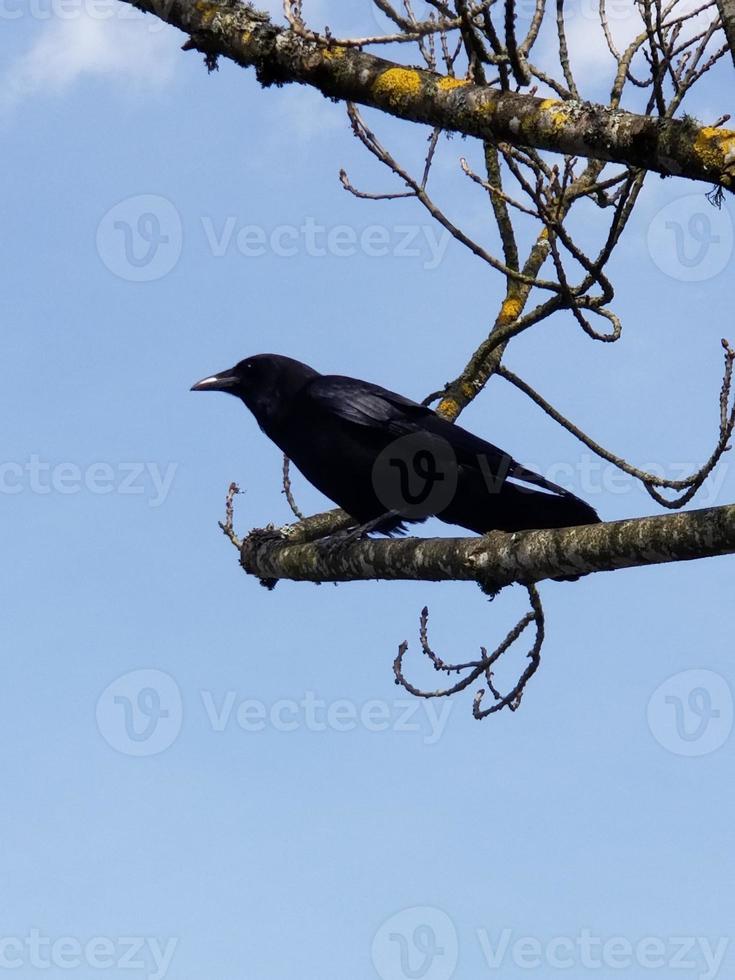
(727, 15)
(497, 559)
(279, 55)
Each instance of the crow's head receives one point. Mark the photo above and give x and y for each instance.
(266, 383)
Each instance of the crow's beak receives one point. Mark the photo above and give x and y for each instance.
(224, 381)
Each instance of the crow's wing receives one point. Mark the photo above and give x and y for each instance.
(473, 452)
(367, 404)
(373, 407)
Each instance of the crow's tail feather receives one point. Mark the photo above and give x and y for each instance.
(516, 508)
(518, 472)
(544, 510)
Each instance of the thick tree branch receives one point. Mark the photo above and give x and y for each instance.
(497, 559)
(280, 55)
(727, 15)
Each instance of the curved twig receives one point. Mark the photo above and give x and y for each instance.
(691, 484)
(481, 667)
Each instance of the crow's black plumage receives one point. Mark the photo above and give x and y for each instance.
(374, 452)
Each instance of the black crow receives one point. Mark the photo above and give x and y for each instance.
(386, 459)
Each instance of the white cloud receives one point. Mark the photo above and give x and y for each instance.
(123, 44)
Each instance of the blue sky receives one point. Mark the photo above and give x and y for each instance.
(204, 779)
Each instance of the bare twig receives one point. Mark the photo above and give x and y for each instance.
(287, 489)
(478, 668)
(227, 526)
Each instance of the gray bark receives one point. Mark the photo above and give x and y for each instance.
(496, 560)
(667, 146)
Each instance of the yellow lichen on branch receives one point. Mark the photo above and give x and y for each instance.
(448, 408)
(510, 310)
(446, 83)
(716, 149)
(398, 86)
(573, 127)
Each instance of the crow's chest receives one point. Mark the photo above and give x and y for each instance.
(335, 455)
